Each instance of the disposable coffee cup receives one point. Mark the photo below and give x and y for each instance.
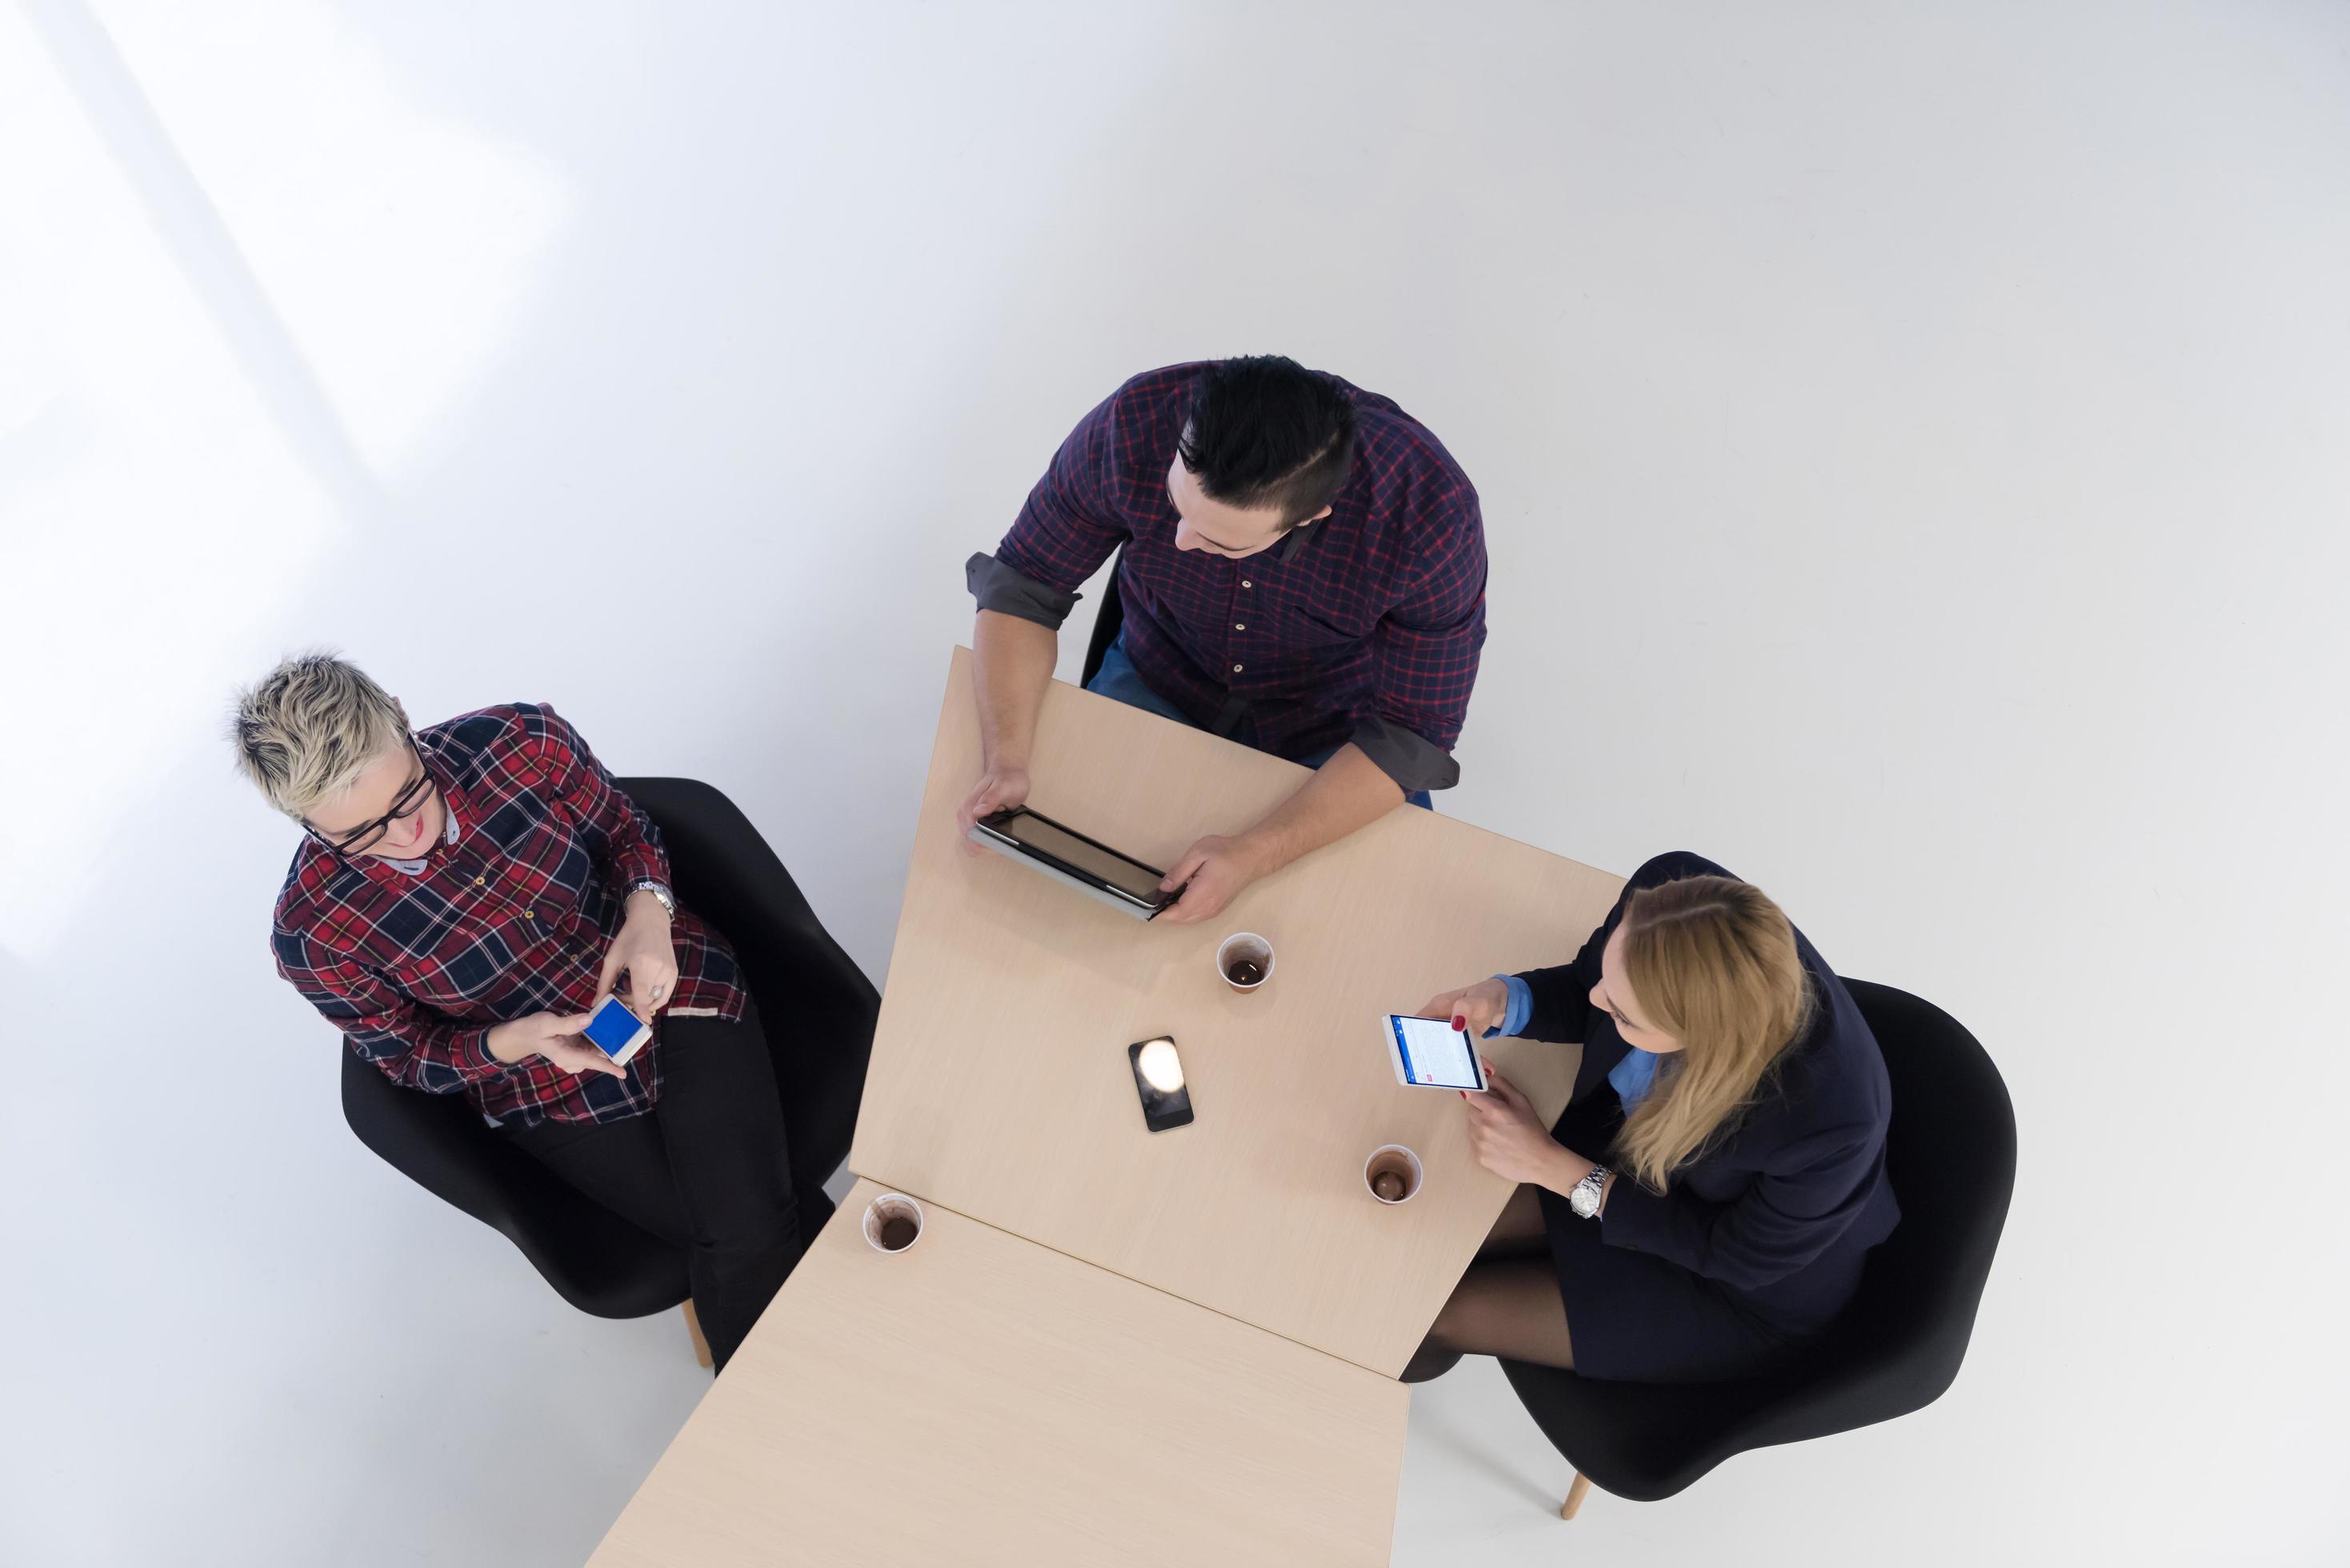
(893, 1222)
(1248, 954)
(1394, 1168)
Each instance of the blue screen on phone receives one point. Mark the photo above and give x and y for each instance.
(612, 1027)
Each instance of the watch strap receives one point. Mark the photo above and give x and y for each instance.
(658, 888)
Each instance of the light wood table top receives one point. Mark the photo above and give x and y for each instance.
(979, 1400)
(1000, 1084)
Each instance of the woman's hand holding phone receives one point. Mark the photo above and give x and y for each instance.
(554, 1036)
(1474, 1008)
(1508, 1137)
(646, 954)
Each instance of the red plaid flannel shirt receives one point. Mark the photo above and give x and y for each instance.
(513, 919)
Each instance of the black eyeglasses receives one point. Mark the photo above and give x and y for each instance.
(368, 836)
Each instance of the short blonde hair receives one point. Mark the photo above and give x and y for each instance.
(306, 729)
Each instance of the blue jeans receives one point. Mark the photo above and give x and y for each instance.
(1118, 679)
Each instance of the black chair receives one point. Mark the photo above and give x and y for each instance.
(819, 1010)
(1108, 622)
(1951, 1153)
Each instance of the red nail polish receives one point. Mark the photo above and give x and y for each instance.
(1461, 1024)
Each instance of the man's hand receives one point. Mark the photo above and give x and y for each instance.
(1344, 794)
(644, 952)
(1474, 1009)
(1010, 665)
(555, 1037)
(1211, 874)
(1000, 789)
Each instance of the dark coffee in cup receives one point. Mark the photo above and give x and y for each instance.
(1244, 960)
(893, 1222)
(1392, 1173)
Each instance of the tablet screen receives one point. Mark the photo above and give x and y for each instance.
(1130, 876)
(1435, 1054)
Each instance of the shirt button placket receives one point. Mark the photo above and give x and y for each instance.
(1246, 584)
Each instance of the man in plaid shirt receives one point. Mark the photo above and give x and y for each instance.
(463, 897)
(1302, 569)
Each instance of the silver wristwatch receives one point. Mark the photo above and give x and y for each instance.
(1584, 1199)
(658, 888)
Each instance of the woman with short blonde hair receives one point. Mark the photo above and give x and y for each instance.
(1731, 1080)
(305, 733)
(463, 896)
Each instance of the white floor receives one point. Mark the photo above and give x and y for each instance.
(1912, 443)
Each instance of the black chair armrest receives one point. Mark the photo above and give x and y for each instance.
(818, 1007)
(597, 1261)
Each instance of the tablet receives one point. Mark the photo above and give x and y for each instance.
(1430, 1054)
(1068, 857)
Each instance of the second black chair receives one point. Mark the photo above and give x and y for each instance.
(1951, 1153)
(1110, 619)
(819, 1010)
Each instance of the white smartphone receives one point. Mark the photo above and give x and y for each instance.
(617, 1032)
(1430, 1054)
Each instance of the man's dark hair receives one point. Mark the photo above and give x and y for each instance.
(1263, 430)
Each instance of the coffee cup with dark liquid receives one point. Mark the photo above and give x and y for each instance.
(893, 1222)
(1245, 960)
(1392, 1173)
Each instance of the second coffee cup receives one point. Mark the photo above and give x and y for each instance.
(1245, 960)
(893, 1222)
(1392, 1173)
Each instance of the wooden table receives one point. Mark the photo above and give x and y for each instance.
(1000, 1084)
(978, 1399)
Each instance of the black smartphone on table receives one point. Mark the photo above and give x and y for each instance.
(1158, 1079)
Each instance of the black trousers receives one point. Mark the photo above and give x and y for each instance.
(706, 1168)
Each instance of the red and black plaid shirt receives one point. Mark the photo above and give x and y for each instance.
(513, 919)
(1364, 626)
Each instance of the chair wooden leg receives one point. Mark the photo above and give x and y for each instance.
(1574, 1495)
(693, 1327)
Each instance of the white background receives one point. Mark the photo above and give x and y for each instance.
(1912, 443)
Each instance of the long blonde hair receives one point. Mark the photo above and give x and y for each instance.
(1713, 964)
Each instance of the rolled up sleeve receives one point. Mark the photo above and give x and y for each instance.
(998, 587)
(1412, 760)
(1067, 528)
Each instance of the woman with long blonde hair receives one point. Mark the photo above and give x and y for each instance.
(1736, 1103)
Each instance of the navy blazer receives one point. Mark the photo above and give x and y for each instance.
(1779, 1210)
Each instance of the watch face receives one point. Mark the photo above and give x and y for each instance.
(1585, 1198)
